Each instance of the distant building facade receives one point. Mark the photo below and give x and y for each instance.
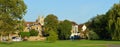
(76, 33)
(74, 30)
(83, 30)
(38, 25)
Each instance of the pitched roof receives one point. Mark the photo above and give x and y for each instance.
(80, 26)
(73, 23)
(29, 23)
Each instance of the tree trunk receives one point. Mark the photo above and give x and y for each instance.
(9, 37)
(0, 38)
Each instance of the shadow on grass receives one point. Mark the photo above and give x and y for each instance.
(7, 43)
(104, 40)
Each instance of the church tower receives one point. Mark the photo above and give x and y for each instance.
(41, 20)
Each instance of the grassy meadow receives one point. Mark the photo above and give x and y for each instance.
(62, 43)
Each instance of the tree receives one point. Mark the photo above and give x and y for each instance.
(51, 23)
(107, 25)
(114, 22)
(98, 25)
(11, 11)
(64, 29)
(13, 8)
(52, 36)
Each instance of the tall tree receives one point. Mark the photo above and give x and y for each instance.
(107, 25)
(64, 29)
(114, 21)
(98, 25)
(11, 11)
(51, 22)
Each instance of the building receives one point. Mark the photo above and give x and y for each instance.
(74, 31)
(78, 31)
(83, 30)
(37, 25)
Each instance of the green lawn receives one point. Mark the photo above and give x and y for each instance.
(62, 43)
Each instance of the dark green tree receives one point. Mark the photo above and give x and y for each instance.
(51, 23)
(107, 25)
(64, 29)
(114, 21)
(98, 25)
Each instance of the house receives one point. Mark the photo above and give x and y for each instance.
(74, 31)
(78, 31)
(83, 30)
(74, 28)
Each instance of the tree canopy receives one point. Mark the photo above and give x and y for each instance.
(107, 25)
(11, 12)
(114, 21)
(64, 29)
(51, 22)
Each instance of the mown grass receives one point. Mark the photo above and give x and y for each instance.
(61, 43)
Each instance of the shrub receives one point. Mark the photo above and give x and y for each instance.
(24, 34)
(33, 32)
(93, 36)
(52, 36)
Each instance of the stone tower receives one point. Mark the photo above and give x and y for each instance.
(41, 20)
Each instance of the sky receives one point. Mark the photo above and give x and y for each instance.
(79, 11)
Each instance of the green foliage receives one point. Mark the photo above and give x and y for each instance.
(64, 29)
(16, 8)
(93, 36)
(107, 25)
(51, 23)
(114, 21)
(98, 24)
(21, 26)
(24, 34)
(11, 11)
(52, 36)
(33, 32)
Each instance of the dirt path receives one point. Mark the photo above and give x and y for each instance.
(114, 45)
(107, 45)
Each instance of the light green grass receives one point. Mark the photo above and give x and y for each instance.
(62, 43)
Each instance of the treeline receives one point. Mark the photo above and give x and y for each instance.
(107, 26)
